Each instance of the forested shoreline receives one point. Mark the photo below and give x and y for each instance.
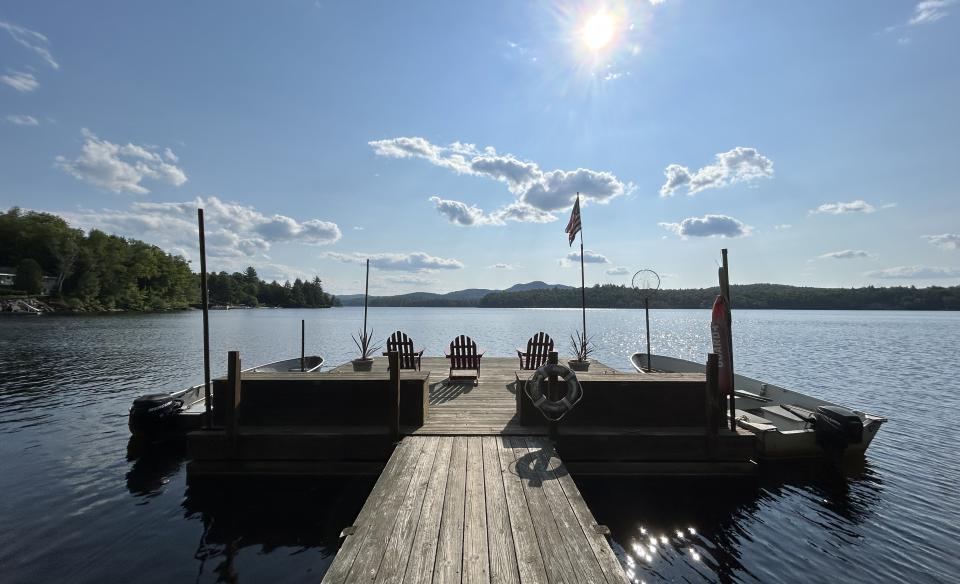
(97, 272)
(746, 296)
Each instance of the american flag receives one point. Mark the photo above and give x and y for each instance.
(573, 226)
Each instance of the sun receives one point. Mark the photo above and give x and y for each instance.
(598, 31)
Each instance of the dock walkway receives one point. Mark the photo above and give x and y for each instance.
(450, 509)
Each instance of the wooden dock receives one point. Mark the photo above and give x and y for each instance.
(475, 509)
(475, 490)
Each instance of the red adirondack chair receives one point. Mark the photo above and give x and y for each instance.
(538, 350)
(464, 358)
(401, 343)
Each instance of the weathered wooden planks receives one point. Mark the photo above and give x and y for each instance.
(450, 547)
(475, 509)
(422, 555)
(401, 541)
(503, 556)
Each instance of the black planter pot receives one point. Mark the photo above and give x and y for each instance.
(362, 364)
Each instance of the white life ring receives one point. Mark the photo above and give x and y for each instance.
(554, 410)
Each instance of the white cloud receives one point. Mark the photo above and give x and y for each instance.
(22, 120)
(928, 11)
(782, 227)
(858, 206)
(589, 257)
(234, 232)
(557, 189)
(462, 214)
(944, 240)
(738, 165)
(21, 81)
(120, 168)
(524, 213)
(401, 262)
(32, 40)
(169, 155)
(502, 266)
(846, 254)
(618, 271)
(709, 226)
(915, 272)
(244, 219)
(540, 191)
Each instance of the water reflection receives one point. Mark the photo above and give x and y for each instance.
(297, 521)
(723, 530)
(153, 465)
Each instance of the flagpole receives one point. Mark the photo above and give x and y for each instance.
(583, 288)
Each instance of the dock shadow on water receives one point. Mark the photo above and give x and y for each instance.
(264, 517)
(254, 530)
(793, 523)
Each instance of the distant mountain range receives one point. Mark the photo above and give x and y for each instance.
(467, 297)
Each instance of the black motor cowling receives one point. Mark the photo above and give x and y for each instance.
(837, 427)
(151, 413)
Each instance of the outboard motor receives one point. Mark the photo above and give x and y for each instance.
(837, 427)
(150, 413)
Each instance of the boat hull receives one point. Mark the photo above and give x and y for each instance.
(781, 434)
(189, 413)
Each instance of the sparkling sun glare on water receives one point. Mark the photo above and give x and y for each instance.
(598, 30)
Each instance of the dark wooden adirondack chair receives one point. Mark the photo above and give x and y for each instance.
(538, 350)
(401, 343)
(464, 357)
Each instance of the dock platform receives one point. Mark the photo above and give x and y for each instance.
(462, 407)
(478, 508)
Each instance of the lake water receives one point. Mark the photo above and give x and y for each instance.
(77, 506)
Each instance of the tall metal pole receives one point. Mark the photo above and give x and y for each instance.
(646, 309)
(205, 298)
(366, 294)
(583, 286)
(303, 334)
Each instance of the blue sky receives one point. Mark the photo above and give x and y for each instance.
(818, 141)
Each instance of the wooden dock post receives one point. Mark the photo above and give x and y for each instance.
(232, 415)
(393, 361)
(303, 335)
(725, 290)
(712, 396)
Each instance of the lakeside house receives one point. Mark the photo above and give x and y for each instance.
(8, 275)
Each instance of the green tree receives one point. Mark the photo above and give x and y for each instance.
(29, 276)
